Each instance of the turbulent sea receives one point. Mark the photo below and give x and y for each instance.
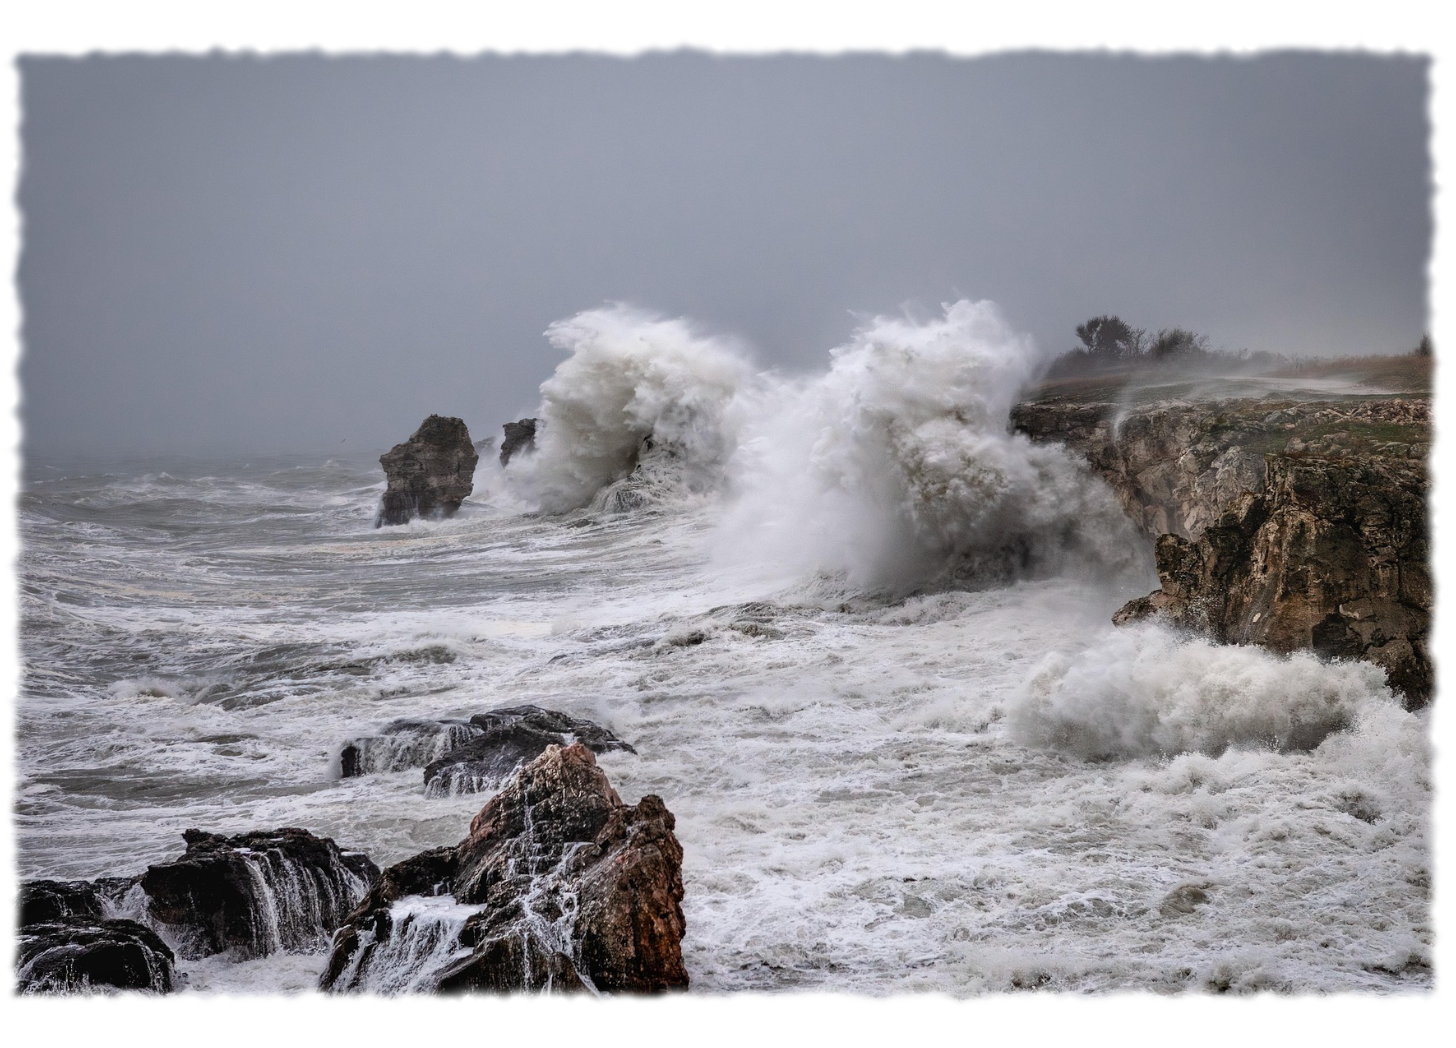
(858, 635)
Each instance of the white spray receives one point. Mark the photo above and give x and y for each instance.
(896, 469)
(893, 470)
(638, 393)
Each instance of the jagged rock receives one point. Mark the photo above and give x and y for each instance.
(519, 437)
(404, 743)
(256, 893)
(1333, 556)
(81, 952)
(558, 887)
(429, 474)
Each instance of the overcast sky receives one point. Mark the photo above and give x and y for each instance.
(311, 254)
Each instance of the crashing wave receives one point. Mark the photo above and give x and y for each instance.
(894, 469)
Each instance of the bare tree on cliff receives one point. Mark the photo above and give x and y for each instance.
(1109, 338)
(1178, 342)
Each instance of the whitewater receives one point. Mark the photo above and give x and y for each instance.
(858, 634)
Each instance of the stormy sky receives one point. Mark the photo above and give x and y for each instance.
(310, 254)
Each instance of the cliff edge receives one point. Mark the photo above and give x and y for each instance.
(1291, 524)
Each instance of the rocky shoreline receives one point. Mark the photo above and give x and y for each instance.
(558, 886)
(1289, 524)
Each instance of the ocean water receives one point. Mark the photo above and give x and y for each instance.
(858, 635)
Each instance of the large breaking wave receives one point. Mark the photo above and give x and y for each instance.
(894, 469)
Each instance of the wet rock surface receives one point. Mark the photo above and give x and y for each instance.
(430, 474)
(43, 902)
(508, 739)
(1332, 557)
(78, 952)
(520, 438)
(404, 743)
(475, 755)
(559, 886)
(256, 893)
(1287, 524)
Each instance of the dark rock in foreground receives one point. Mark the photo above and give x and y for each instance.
(1332, 556)
(79, 953)
(520, 437)
(430, 474)
(256, 893)
(473, 756)
(44, 902)
(558, 887)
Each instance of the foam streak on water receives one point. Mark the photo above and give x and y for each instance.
(959, 785)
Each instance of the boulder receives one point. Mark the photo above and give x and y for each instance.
(256, 893)
(80, 952)
(1331, 556)
(429, 474)
(559, 886)
(519, 437)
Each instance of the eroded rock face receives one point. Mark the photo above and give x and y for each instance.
(1332, 556)
(256, 893)
(1176, 467)
(1287, 524)
(559, 886)
(78, 953)
(430, 474)
(520, 438)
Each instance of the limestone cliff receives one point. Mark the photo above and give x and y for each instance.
(1287, 524)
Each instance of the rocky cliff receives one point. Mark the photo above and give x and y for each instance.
(1288, 524)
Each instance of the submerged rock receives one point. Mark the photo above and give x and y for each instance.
(430, 474)
(558, 887)
(1332, 556)
(471, 756)
(80, 952)
(520, 437)
(508, 739)
(256, 893)
(404, 743)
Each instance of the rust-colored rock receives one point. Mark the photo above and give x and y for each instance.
(1333, 556)
(558, 887)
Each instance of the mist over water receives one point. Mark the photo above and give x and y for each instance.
(857, 632)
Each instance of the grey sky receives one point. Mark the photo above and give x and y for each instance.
(308, 254)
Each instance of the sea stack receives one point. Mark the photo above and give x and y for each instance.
(519, 437)
(429, 474)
